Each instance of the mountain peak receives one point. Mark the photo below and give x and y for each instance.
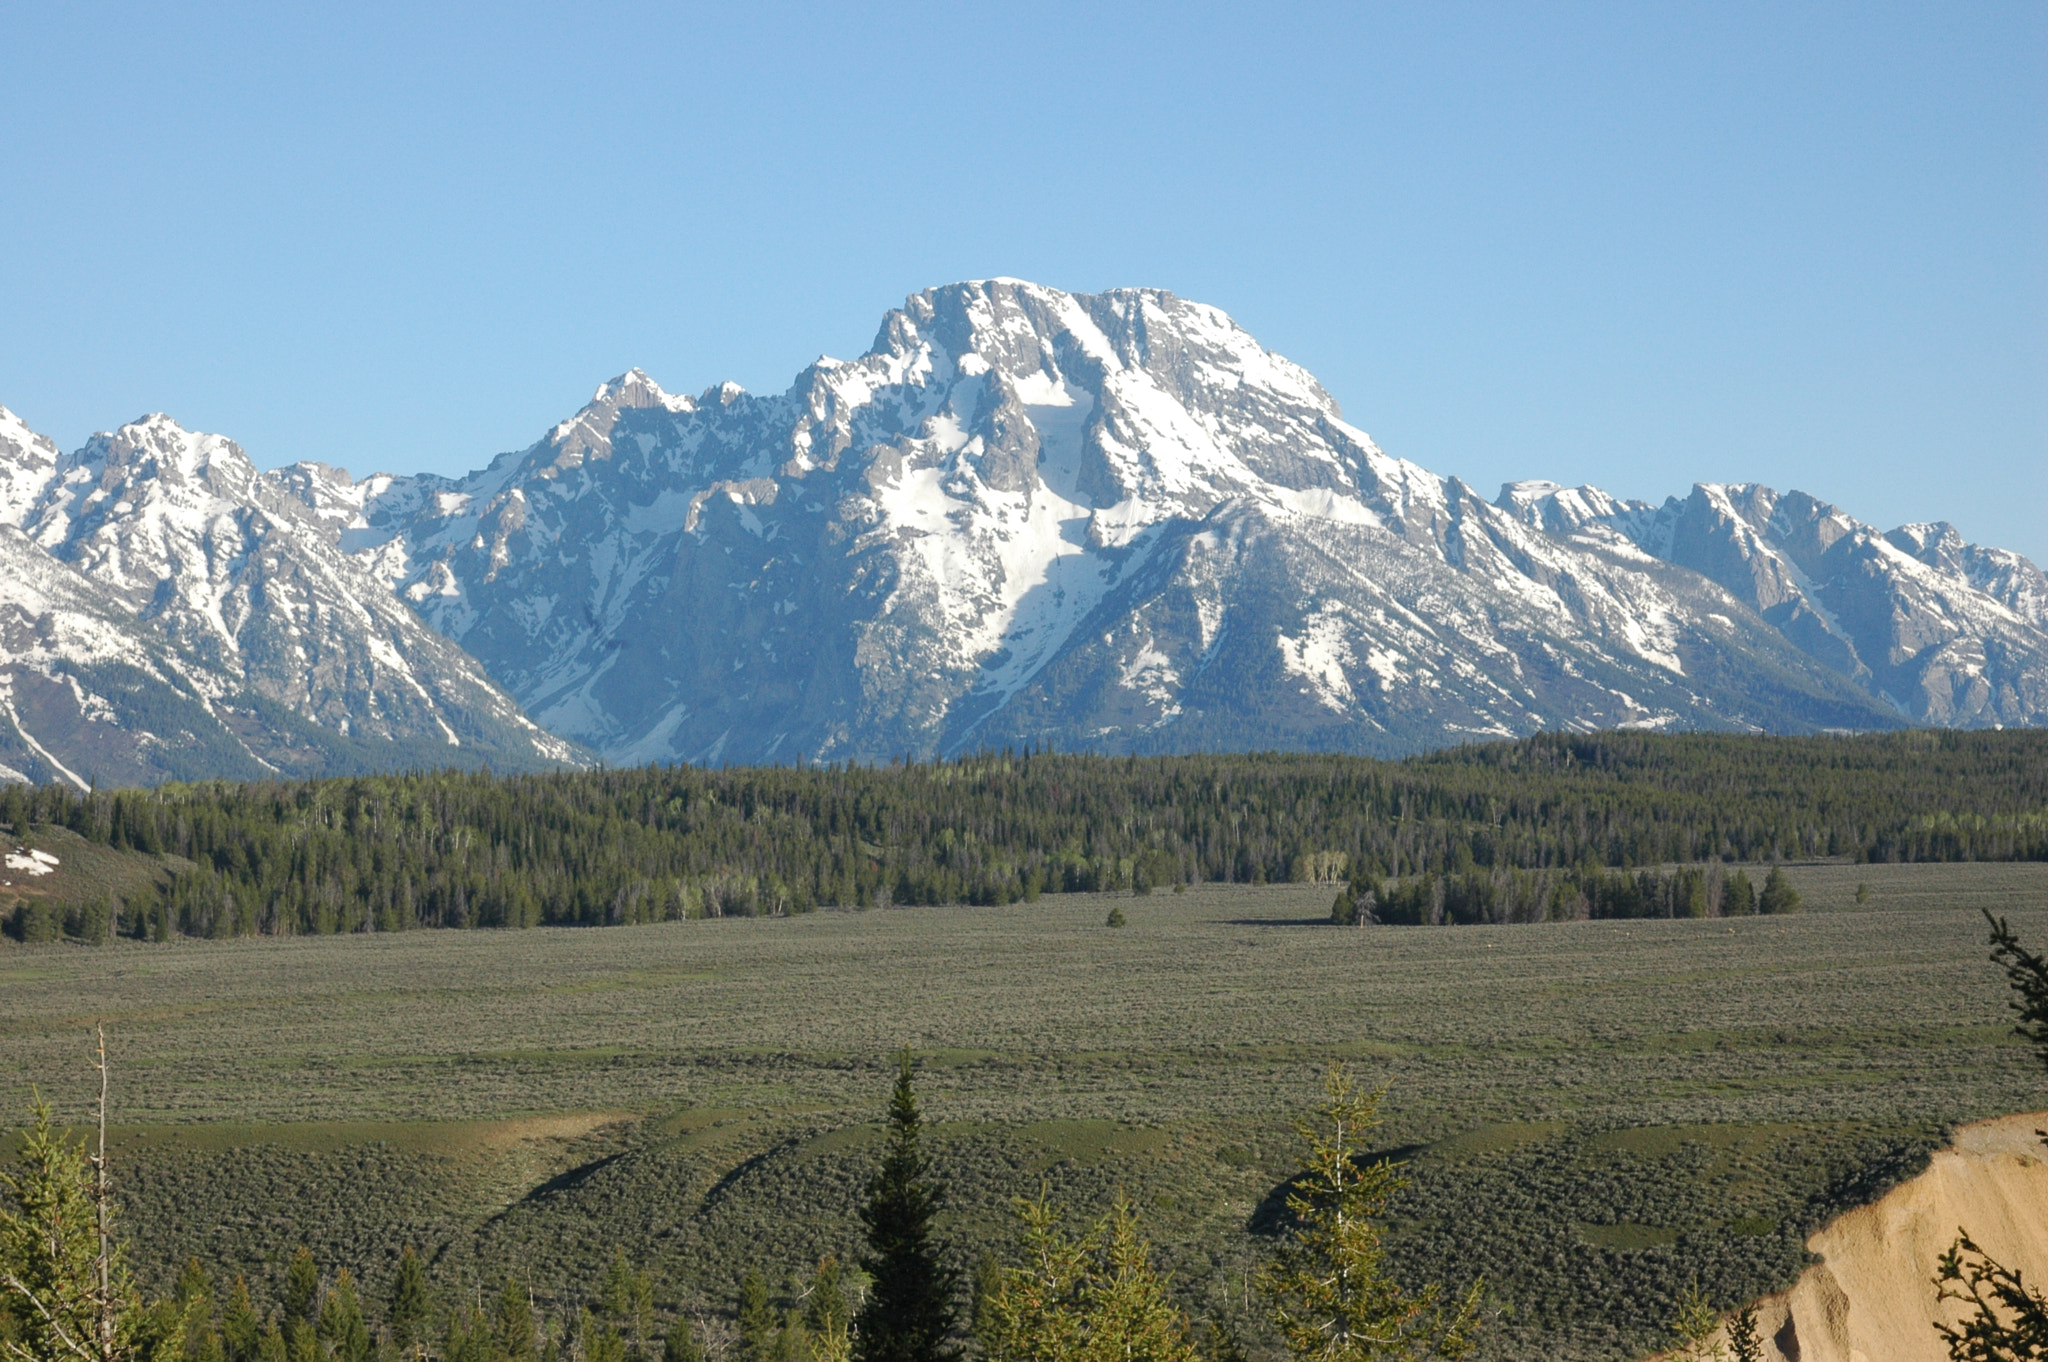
(1107, 520)
(634, 388)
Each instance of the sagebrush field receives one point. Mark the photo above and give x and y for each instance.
(1595, 1112)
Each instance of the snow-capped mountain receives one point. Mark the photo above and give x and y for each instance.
(1111, 521)
(1943, 631)
(1108, 521)
(200, 621)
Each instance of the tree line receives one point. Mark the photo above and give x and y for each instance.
(472, 849)
(1589, 894)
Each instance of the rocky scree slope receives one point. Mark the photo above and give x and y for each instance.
(1108, 521)
(168, 612)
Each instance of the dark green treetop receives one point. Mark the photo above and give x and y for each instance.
(909, 1314)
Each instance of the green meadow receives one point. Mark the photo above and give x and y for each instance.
(1593, 1114)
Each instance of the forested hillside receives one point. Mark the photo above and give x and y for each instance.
(460, 849)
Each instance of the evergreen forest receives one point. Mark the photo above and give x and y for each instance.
(1527, 830)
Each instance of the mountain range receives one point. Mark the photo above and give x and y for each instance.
(1109, 522)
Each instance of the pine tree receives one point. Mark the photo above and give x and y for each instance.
(1739, 898)
(988, 1284)
(200, 1341)
(792, 1340)
(909, 1313)
(1695, 1324)
(1779, 896)
(756, 1319)
(301, 1306)
(602, 1342)
(680, 1344)
(61, 1272)
(828, 1324)
(1334, 1300)
(410, 1307)
(2008, 1318)
(626, 1300)
(1744, 1337)
(467, 1337)
(1091, 1298)
(341, 1325)
(241, 1331)
(513, 1325)
(1034, 1313)
(1131, 1317)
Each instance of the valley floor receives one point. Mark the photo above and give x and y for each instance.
(1595, 1112)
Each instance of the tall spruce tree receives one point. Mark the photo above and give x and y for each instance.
(909, 1314)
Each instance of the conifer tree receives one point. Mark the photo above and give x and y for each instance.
(792, 1340)
(828, 1324)
(410, 1306)
(1739, 898)
(241, 1330)
(1779, 896)
(1334, 1300)
(1695, 1324)
(61, 1272)
(513, 1326)
(680, 1344)
(1131, 1318)
(301, 1306)
(1033, 1313)
(1088, 1298)
(987, 1284)
(602, 1342)
(1744, 1337)
(341, 1325)
(626, 1300)
(757, 1318)
(200, 1340)
(909, 1313)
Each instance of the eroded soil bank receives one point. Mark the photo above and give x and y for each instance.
(1872, 1298)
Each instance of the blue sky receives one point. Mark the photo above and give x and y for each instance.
(1637, 245)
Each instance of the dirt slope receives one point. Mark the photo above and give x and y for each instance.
(1872, 1299)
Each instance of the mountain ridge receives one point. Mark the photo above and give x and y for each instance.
(1110, 521)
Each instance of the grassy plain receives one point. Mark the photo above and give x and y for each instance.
(1595, 1112)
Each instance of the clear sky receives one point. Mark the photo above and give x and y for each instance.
(1640, 245)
